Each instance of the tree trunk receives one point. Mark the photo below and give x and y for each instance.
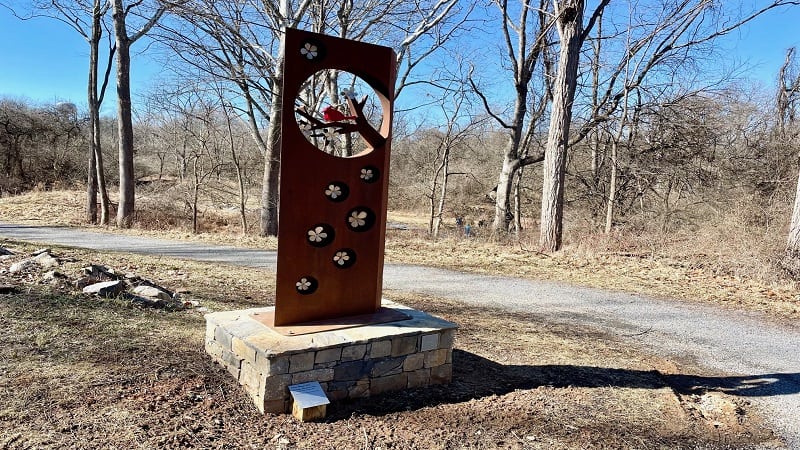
(195, 193)
(272, 164)
(569, 19)
(237, 164)
(270, 189)
(96, 179)
(91, 187)
(105, 202)
(612, 187)
(124, 121)
(518, 203)
(445, 168)
(793, 244)
(91, 182)
(505, 184)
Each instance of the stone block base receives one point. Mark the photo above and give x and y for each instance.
(348, 363)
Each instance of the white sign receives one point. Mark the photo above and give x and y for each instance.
(308, 395)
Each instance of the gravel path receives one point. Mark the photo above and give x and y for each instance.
(763, 357)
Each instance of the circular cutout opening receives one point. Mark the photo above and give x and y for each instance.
(338, 113)
(369, 174)
(344, 258)
(360, 219)
(306, 285)
(320, 235)
(336, 191)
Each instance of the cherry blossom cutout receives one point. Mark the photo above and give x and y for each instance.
(306, 285)
(310, 50)
(331, 136)
(369, 174)
(305, 128)
(336, 191)
(320, 235)
(344, 258)
(360, 218)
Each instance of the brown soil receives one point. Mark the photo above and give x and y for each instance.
(83, 372)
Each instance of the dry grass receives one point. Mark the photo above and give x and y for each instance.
(730, 261)
(81, 372)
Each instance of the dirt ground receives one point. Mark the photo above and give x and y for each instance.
(78, 371)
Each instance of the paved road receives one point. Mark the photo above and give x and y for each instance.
(763, 357)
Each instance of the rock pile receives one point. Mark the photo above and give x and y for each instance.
(95, 279)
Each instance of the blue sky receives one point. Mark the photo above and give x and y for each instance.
(45, 61)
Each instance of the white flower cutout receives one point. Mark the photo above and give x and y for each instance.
(303, 284)
(309, 50)
(356, 219)
(317, 234)
(341, 258)
(366, 174)
(333, 191)
(305, 128)
(330, 134)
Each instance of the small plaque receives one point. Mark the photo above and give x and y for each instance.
(308, 395)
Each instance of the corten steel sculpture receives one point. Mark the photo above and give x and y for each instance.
(332, 212)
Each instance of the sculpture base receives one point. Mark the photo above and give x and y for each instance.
(351, 362)
(383, 315)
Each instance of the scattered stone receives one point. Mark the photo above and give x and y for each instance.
(81, 283)
(150, 302)
(8, 289)
(40, 251)
(141, 282)
(106, 288)
(46, 260)
(6, 252)
(146, 302)
(53, 276)
(99, 272)
(20, 266)
(152, 292)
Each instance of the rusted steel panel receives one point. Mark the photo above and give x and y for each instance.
(332, 212)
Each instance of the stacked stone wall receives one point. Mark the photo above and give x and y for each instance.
(351, 365)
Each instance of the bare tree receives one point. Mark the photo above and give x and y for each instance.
(679, 28)
(122, 14)
(458, 128)
(234, 146)
(526, 43)
(86, 18)
(788, 95)
(95, 99)
(569, 23)
(242, 42)
(788, 102)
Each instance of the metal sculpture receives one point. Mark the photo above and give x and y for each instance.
(332, 211)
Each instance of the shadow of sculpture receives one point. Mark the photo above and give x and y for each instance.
(476, 377)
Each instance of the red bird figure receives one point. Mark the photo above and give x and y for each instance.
(331, 114)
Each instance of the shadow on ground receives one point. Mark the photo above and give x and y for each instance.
(476, 377)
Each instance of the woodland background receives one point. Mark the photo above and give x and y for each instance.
(610, 126)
